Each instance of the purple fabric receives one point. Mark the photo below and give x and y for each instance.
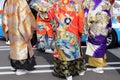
(97, 2)
(86, 10)
(100, 41)
(109, 25)
(97, 40)
(100, 52)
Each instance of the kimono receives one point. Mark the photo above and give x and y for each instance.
(44, 31)
(67, 19)
(98, 23)
(19, 24)
(44, 34)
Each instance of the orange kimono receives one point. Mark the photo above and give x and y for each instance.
(67, 23)
(67, 19)
(44, 32)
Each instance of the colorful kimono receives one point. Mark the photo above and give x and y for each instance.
(44, 31)
(66, 17)
(98, 20)
(19, 24)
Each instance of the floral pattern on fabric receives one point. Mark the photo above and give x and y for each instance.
(98, 24)
(67, 23)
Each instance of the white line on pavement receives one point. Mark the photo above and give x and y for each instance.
(106, 68)
(4, 46)
(49, 71)
(37, 66)
(4, 49)
(35, 71)
(45, 66)
(110, 63)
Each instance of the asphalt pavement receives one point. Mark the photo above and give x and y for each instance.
(44, 67)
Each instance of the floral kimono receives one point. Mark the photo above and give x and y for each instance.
(44, 31)
(67, 18)
(98, 22)
(18, 25)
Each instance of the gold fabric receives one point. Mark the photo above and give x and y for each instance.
(97, 62)
(18, 26)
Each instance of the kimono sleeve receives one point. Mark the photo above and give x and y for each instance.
(81, 20)
(51, 14)
(53, 21)
(27, 22)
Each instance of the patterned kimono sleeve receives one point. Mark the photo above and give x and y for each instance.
(5, 21)
(81, 20)
(51, 16)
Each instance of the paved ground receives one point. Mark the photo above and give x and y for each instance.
(44, 67)
(2, 42)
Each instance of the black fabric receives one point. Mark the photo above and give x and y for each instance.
(27, 64)
(34, 12)
(28, 1)
(34, 39)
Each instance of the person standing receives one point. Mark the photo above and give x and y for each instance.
(44, 32)
(98, 24)
(67, 18)
(19, 25)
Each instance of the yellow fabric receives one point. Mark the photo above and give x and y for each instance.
(97, 62)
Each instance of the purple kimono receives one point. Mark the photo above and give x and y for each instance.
(98, 19)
